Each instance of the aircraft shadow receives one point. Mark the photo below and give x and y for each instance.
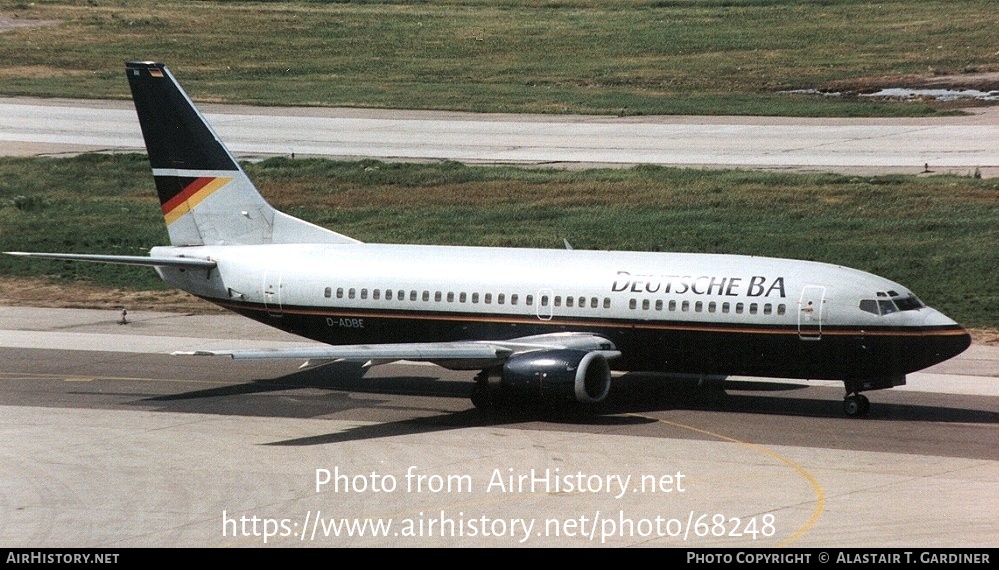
(334, 389)
(523, 415)
(642, 392)
(307, 393)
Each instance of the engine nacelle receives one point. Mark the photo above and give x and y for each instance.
(559, 373)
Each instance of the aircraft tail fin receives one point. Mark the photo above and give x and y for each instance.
(206, 197)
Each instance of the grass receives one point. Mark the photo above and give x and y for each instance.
(936, 235)
(567, 56)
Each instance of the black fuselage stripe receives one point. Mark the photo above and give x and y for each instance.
(589, 322)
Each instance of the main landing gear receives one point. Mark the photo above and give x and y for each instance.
(487, 395)
(483, 398)
(856, 405)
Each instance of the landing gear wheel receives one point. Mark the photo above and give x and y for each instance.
(856, 405)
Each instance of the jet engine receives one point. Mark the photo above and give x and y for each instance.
(553, 375)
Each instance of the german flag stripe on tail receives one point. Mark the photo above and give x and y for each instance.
(193, 192)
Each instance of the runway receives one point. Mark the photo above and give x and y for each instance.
(961, 145)
(110, 442)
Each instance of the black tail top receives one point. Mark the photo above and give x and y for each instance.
(176, 135)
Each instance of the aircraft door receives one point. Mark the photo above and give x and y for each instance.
(272, 293)
(811, 307)
(543, 306)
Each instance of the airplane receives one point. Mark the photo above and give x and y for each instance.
(544, 324)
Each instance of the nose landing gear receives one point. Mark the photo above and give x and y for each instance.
(856, 405)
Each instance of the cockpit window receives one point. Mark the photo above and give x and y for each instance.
(908, 303)
(889, 302)
(887, 306)
(870, 305)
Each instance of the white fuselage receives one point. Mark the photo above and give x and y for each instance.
(355, 293)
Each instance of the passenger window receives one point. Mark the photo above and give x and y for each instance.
(753, 308)
(568, 301)
(698, 306)
(645, 304)
(437, 296)
(632, 304)
(351, 294)
(328, 292)
(685, 306)
(514, 299)
(712, 307)
(475, 297)
(607, 302)
(594, 303)
(450, 297)
(672, 306)
(659, 304)
(426, 296)
(388, 294)
(339, 292)
(412, 295)
(376, 294)
(768, 309)
(781, 309)
(364, 293)
(500, 299)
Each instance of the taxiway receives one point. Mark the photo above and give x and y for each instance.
(956, 144)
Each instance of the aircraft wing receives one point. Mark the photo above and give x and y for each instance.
(456, 355)
(409, 351)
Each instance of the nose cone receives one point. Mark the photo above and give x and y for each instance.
(942, 339)
(947, 346)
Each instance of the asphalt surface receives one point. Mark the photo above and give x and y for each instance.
(112, 442)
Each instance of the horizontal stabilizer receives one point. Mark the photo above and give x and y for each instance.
(182, 262)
